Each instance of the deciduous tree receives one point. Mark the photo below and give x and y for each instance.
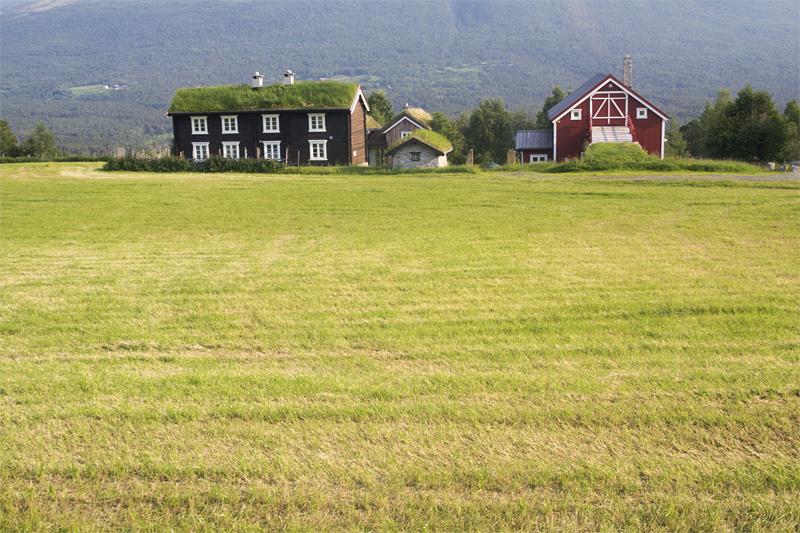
(380, 106)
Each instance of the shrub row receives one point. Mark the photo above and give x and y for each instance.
(179, 164)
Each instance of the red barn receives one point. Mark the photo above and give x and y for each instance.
(604, 109)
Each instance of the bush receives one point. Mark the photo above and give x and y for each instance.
(179, 164)
(631, 156)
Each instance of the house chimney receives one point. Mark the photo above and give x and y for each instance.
(627, 70)
(406, 106)
(258, 80)
(289, 75)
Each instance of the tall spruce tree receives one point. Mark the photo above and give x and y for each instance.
(542, 122)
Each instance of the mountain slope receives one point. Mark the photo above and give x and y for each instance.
(443, 55)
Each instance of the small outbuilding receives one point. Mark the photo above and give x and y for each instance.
(534, 146)
(420, 149)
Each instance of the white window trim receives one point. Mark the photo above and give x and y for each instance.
(538, 158)
(205, 123)
(324, 143)
(324, 123)
(236, 123)
(194, 151)
(231, 143)
(574, 116)
(272, 143)
(277, 123)
(641, 112)
(404, 134)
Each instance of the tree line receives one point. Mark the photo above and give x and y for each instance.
(40, 143)
(747, 128)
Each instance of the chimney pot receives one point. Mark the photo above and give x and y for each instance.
(289, 77)
(258, 80)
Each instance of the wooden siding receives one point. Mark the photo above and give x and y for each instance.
(573, 134)
(358, 134)
(294, 135)
(525, 154)
(393, 135)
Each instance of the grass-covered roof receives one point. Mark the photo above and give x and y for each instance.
(430, 138)
(417, 114)
(301, 95)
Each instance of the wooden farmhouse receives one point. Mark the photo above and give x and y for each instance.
(302, 123)
(602, 110)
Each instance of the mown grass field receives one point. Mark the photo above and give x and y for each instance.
(477, 352)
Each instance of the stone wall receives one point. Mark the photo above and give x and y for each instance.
(427, 158)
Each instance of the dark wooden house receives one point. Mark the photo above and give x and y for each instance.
(534, 146)
(303, 123)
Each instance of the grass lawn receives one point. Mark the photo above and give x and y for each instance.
(456, 352)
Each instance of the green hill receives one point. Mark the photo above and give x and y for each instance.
(441, 55)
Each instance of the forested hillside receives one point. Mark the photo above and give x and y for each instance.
(57, 56)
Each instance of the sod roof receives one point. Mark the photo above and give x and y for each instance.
(427, 137)
(301, 95)
(372, 123)
(417, 114)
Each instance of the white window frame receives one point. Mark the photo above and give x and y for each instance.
(270, 118)
(641, 112)
(324, 156)
(320, 119)
(404, 134)
(540, 158)
(272, 144)
(235, 124)
(576, 114)
(204, 120)
(230, 144)
(195, 146)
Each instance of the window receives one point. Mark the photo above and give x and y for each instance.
(537, 158)
(230, 150)
(415, 156)
(199, 151)
(575, 114)
(404, 134)
(318, 150)
(230, 124)
(199, 125)
(272, 149)
(316, 122)
(641, 112)
(271, 124)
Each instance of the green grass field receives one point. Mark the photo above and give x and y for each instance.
(457, 352)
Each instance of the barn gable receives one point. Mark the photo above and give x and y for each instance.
(594, 84)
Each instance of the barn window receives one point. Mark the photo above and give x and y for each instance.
(537, 158)
(272, 149)
(575, 114)
(230, 124)
(230, 150)
(271, 124)
(316, 122)
(404, 134)
(415, 156)
(641, 112)
(199, 151)
(318, 150)
(199, 125)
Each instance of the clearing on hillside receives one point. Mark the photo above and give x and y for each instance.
(475, 352)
